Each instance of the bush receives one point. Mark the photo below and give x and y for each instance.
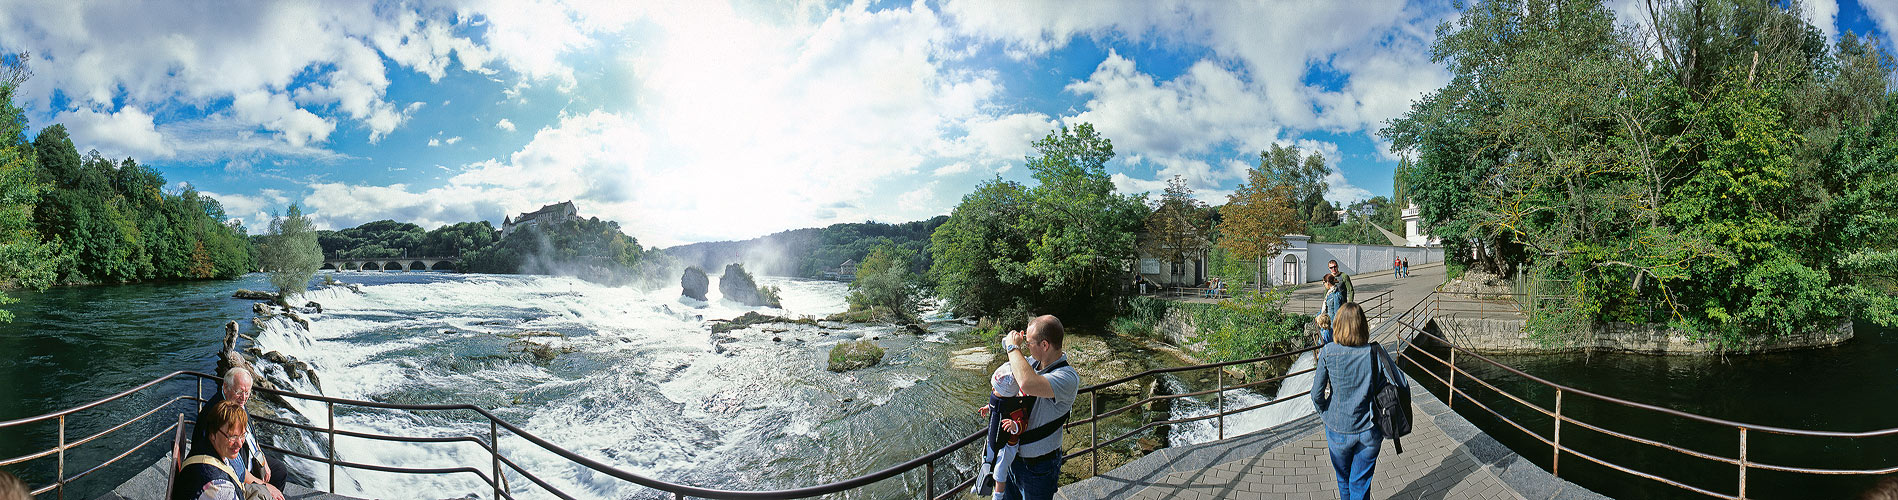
(855, 355)
(1245, 327)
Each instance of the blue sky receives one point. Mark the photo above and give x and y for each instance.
(698, 121)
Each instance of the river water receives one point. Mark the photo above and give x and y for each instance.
(645, 387)
(1852, 387)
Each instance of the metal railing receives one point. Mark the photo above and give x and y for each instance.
(1400, 330)
(64, 445)
(1412, 325)
(499, 465)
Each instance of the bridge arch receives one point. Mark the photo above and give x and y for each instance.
(370, 266)
(328, 265)
(393, 266)
(446, 265)
(418, 266)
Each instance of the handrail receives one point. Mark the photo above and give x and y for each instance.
(1404, 326)
(1431, 303)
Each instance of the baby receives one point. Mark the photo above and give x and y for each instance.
(1006, 401)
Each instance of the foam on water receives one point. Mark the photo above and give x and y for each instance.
(644, 390)
(1205, 431)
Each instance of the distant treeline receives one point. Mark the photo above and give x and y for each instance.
(73, 219)
(809, 252)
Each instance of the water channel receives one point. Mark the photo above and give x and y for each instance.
(1852, 387)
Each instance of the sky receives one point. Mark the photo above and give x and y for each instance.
(707, 120)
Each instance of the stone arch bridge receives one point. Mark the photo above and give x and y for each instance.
(393, 264)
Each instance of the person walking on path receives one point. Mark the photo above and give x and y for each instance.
(1339, 294)
(1042, 372)
(1345, 378)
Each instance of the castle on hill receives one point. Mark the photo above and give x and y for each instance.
(550, 214)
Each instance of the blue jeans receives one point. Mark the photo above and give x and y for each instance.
(1032, 482)
(1353, 456)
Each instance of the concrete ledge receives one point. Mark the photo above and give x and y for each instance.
(1507, 335)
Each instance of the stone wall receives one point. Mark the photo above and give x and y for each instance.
(1507, 336)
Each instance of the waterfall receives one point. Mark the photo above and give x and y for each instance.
(1204, 431)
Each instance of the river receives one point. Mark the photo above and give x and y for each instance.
(646, 387)
(1852, 387)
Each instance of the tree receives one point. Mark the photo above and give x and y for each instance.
(1259, 214)
(1061, 247)
(983, 234)
(1179, 226)
(1681, 185)
(884, 281)
(289, 252)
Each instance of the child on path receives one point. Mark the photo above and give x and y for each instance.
(1324, 328)
(1005, 401)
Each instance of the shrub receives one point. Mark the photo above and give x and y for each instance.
(848, 356)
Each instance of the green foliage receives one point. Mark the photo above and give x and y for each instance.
(1140, 317)
(1264, 209)
(590, 249)
(71, 219)
(290, 252)
(884, 281)
(1061, 247)
(1722, 184)
(846, 356)
(1245, 326)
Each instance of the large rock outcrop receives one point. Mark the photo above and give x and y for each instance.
(695, 283)
(737, 286)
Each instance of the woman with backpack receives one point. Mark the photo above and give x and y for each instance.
(1347, 378)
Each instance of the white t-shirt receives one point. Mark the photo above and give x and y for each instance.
(1066, 383)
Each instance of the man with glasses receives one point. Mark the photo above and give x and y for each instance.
(1340, 294)
(1042, 372)
(258, 471)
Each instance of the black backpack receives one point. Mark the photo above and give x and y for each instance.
(1390, 402)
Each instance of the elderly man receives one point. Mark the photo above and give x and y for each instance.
(251, 464)
(1042, 372)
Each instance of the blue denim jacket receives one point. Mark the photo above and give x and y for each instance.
(1346, 371)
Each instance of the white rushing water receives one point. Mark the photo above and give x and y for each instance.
(646, 388)
(1205, 431)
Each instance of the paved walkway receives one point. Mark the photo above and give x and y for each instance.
(1444, 457)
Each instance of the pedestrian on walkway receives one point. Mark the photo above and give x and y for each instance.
(1345, 379)
(1339, 293)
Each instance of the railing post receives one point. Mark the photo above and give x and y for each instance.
(1221, 377)
(1452, 392)
(929, 480)
(494, 448)
(1743, 462)
(1555, 463)
(62, 456)
(1094, 430)
(330, 409)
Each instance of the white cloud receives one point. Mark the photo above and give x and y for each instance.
(1885, 16)
(128, 132)
(296, 69)
(921, 201)
(1824, 14)
(504, 124)
(253, 211)
(452, 140)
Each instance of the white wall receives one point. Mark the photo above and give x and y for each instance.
(1361, 259)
